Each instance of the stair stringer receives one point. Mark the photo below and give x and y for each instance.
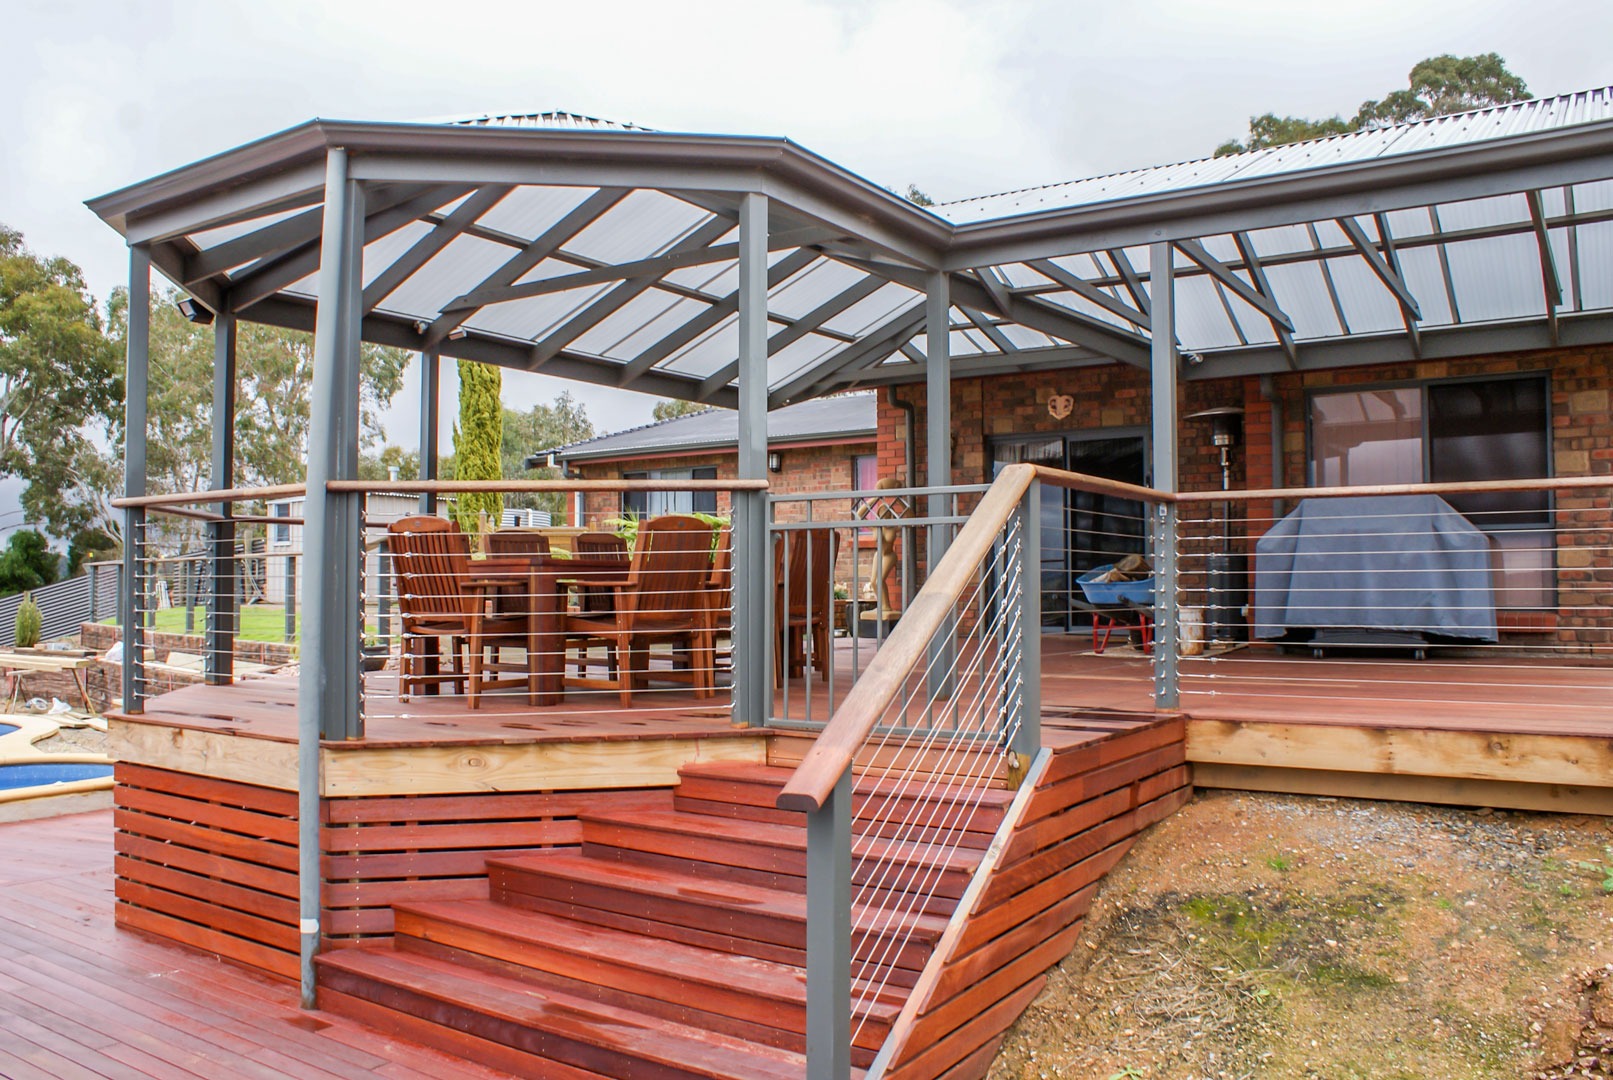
(990, 963)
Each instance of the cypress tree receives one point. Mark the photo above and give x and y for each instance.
(478, 437)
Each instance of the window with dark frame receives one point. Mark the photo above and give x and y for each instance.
(649, 504)
(1447, 432)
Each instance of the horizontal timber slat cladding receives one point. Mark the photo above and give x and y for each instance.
(213, 863)
(1095, 788)
(210, 863)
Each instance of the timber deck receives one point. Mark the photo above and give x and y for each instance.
(85, 1000)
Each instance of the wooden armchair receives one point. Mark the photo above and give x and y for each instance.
(662, 596)
(438, 598)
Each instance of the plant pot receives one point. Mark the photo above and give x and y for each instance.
(374, 657)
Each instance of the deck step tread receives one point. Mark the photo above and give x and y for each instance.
(572, 1030)
(771, 838)
(776, 776)
(716, 896)
(690, 965)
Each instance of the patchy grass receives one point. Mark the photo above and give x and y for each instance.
(1277, 936)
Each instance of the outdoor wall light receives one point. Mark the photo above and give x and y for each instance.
(775, 461)
(194, 312)
(458, 333)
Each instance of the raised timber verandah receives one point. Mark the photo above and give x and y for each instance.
(749, 273)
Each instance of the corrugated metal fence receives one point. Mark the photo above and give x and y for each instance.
(89, 597)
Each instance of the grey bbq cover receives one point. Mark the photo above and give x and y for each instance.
(1389, 562)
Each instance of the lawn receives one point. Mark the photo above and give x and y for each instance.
(259, 622)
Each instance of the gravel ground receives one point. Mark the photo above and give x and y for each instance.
(1277, 936)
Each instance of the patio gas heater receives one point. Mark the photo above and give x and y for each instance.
(1224, 572)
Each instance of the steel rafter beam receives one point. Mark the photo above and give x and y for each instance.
(655, 266)
(1050, 269)
(1257, 274)
(877, 344)
(579, 324)
(708, 320)
(288, 233)
(800, 328)
(1391, 259)
(992, 331)
(1061, 357)
(1221, 272)
(1055, 321)
(531, 253)
(384, 215)
(1387, 273)
(428, 246)
(1131, 279)
(1551, 284)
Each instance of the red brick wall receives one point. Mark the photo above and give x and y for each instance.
(1117, 396)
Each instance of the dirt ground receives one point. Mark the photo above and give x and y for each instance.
(1277, 936)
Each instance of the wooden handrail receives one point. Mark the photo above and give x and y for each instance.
(224, 495)
(1560, 483)
(1098, 485)
(836, 746)
(449, 487)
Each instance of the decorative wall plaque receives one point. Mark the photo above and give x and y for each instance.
(1060, 405)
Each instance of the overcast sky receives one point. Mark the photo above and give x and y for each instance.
(960, 98)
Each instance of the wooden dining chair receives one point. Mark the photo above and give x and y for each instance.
(661, 597)
(803, 609)
(439, 598)
(598, 547)
(514, 544)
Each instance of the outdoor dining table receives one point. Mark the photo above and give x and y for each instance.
(543, 582)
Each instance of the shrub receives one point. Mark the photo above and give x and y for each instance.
(29, 623)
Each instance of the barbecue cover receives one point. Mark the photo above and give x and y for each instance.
(1405, 563)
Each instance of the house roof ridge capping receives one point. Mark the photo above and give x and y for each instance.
(1472, 126)
(548, 118)
(838, 415)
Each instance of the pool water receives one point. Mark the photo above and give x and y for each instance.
(7, 729)
(36, 774)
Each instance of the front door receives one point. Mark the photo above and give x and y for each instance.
(1081, 530)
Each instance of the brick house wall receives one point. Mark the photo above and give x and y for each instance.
(1117, 397)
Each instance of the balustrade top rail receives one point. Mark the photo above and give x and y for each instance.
(450, 487)
(1469, 487)
(222, 495)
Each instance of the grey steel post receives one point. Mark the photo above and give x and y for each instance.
(223, 600)
(1028, 736)
(938, 455)
(1162, 297)
(328, 686)
(753, 681)
(430, 410)
(291, 598)
(828, 936)
(137, 365)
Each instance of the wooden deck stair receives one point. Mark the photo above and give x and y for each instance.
(671, 943)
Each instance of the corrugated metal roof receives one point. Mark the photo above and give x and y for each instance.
(843, 417)
(1495, 122)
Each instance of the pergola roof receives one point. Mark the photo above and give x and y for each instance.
(606, 253)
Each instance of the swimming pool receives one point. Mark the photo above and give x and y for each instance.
(41, 773)
(7, 729)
